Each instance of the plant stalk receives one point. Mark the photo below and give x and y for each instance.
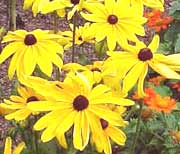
(12, 14)
(137, 131)
(74, 35)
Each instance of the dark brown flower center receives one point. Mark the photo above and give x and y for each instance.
(32, 99)
(80, 38)
(145, 54)
(104, 123)
(95, 69)
(80, 103)
(75, 2)
(30, 39)
(112, 19)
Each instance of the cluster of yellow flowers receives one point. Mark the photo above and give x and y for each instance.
(90, 101)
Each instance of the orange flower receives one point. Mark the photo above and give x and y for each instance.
(176, 85)
(159, 103)
(149, 94)
(158, 20)
(157, 80)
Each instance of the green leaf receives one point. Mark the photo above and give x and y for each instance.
(175, 6)
(170, 34)
(176, 15)
(165, 48)
(163, 90)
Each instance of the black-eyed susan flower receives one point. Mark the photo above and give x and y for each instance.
(31, 48)
(102, 140)
(116, 22)
(18, 104)
(73, 5)
(108, 132)
(100, 72)
(96, 71)
(83, 34)
(8, 147)
(135, 64)
(35, 4)
(73, 103)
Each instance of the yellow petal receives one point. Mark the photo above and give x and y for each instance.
(29, 61)
(47, 105)
(62, 140)
(19, 148)
(27, 4)
(18, 115)
(77, 136)
(109, 99)
(42, 122)
(110, 116)
(66, 122)
(164, 70)
(9, 50)
(154, 43)
(85, 130)
(117, 135)
(8, 144)
(132, 76)
(98, 90)
(141, 81)
(14, 64)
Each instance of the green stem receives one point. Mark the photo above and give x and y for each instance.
(164, 119)
(55, 22)
(36, 137)
(74, 35)
(137, 131)
(12, 14)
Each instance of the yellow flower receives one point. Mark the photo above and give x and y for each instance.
(135, 63)
(139, 4)
(31, 48)
(36, 5)
(116, 22)
(95, 71)
(75, 5)
(107, 131)
(100, 72)
(76, 101)
(18, 104)
(8, 147)
(83, 34)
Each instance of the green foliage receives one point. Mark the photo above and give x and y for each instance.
(175, 7)
(163, 90)
(171, 38)
(177, 44)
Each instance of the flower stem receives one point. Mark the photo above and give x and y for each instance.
(55, 23)
(137, 131)
(74, 35)
(12, 14)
